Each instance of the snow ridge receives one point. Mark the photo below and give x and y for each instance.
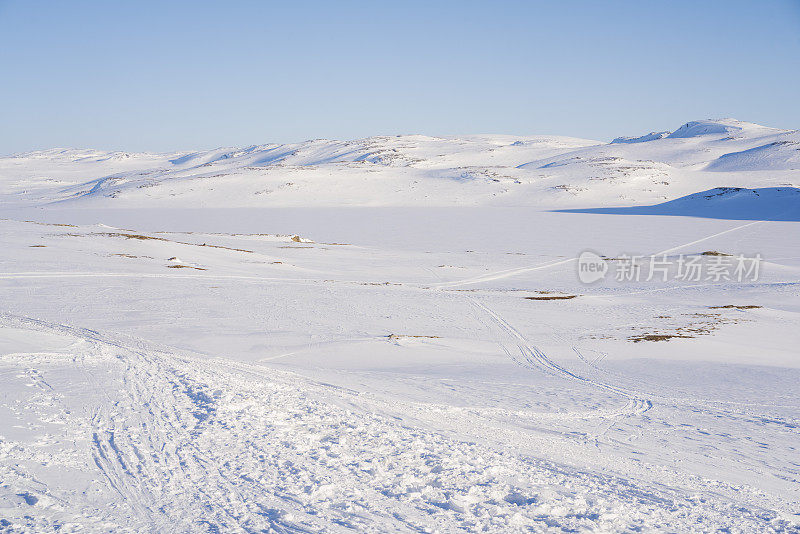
(416, 170)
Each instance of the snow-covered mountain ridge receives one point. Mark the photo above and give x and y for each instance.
(416, 170)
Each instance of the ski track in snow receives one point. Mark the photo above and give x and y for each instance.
(192, 445)
(533, 358)
(507, 273)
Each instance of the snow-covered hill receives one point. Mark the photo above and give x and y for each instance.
(436, 363)
(415, 170)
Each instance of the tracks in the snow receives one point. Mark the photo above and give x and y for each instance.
(532, 357)
(191, 445)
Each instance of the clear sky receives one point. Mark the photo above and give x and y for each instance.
(164, 75)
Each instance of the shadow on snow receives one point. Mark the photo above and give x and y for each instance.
(735, 203)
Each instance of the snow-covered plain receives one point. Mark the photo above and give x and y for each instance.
(389, 335)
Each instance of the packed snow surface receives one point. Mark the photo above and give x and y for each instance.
(390, 335)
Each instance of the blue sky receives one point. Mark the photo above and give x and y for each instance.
(178, 75)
